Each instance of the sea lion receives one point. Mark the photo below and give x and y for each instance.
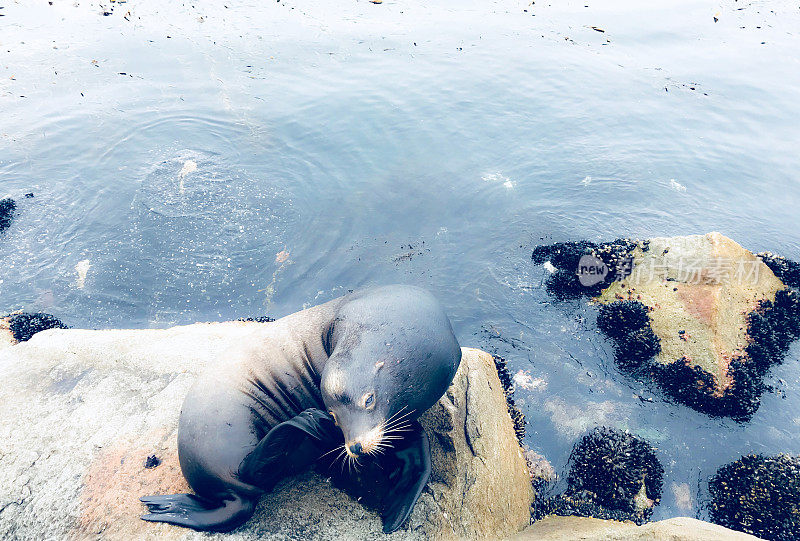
(351, 375)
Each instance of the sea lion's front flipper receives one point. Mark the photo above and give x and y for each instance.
(198, 513)
(409, 468)
(290, 448)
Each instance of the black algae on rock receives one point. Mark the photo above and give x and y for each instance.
(24, 325)
(612, 475)
(7, 208)
(613, 465)
(508, 391)
(627, 323)
(615, 260)
(758, 495)
(579, 505)
(785, 269)
(771, 328)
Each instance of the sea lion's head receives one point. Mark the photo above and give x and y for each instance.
(382, 375)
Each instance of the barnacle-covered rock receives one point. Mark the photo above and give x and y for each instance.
(699, 314)
(612, 475)
(759, 495)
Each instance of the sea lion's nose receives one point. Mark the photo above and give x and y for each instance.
(355, 448)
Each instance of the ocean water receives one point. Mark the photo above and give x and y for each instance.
(203, 161)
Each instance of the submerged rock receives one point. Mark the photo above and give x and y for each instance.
(700, 315)
(758, 495)
(613, 475)
(7, 208)
(88, 423)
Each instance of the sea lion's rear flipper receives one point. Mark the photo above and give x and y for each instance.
(290, 447)
(198, 513)
(409, 468)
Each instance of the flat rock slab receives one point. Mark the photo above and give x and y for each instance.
(81, 411)
(593, 529)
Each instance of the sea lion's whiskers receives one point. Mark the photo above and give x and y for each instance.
(344, 457)
(397, 427)
(340, 447)
(400, 420)
(395, 417)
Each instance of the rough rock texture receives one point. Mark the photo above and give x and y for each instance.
(593, 529)
(698, 302)
(759, 495)
(618, 471)
(703, 317)
(82, 412)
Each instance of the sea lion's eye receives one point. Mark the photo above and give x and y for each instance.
(369, 400)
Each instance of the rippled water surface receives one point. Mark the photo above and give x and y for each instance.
(207, 162)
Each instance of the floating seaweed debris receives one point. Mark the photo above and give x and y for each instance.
(758, 495)
(613, 475)
(507, 381)
(25, 325)
(7, 209)
(611, 259)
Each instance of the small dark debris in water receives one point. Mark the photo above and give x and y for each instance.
(596, 29)
(259, 319)
(29, 195)
(7, 208)
(758, 495)
(607, 470)
(24, 325)
(507, 383)
(411, 253)
(152, 462)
